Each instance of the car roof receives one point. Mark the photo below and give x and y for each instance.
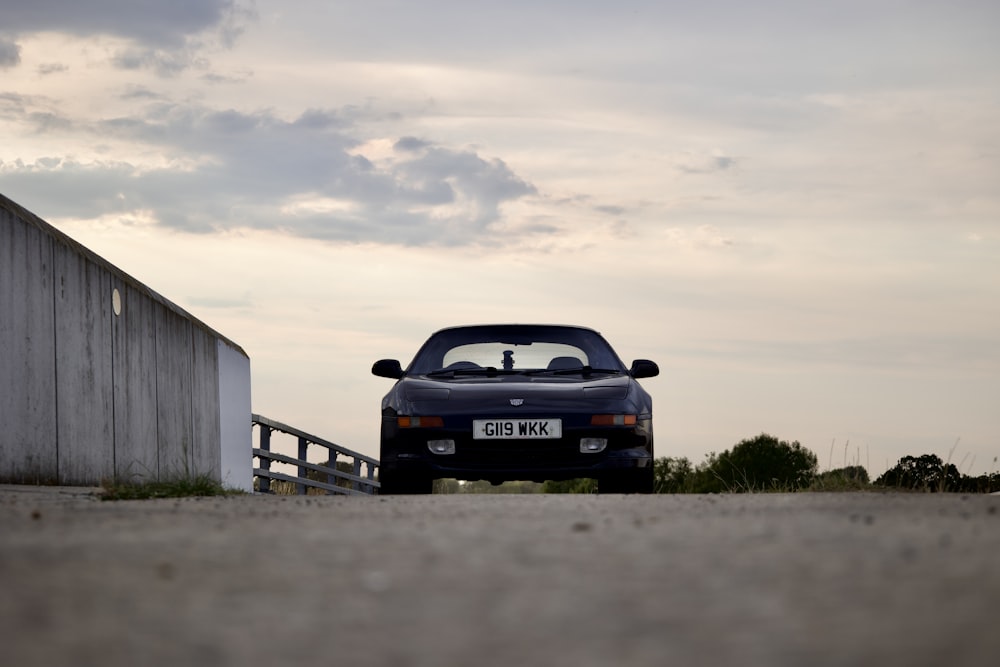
(512, 325)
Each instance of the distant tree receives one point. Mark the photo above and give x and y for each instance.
(760, 464)
(842, 479)
(922, 473)
(981, 484)
(672, 475)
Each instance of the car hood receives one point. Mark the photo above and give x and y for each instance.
(507, 387)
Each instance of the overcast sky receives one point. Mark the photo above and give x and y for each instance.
(793, 207)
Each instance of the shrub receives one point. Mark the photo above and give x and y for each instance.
(763, 463)
(922, 473)
(851, 478)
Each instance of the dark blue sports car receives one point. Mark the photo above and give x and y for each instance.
(516, 402)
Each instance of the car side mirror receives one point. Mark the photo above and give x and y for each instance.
(387, 368)
(644, 368)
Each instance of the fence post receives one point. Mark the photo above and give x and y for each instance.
(357, 473)
(334, 483)
(303, 472)
(331, 463)
(265, 461)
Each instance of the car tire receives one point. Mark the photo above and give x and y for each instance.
(393, 483)
(639, 480)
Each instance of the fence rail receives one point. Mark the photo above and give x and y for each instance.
(359, 482)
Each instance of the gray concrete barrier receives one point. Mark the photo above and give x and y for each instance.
(103, 378)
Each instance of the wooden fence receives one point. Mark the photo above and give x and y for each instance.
(359, 481)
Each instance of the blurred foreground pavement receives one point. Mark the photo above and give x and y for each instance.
(555, 580)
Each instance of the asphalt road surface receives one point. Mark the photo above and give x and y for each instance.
(575, 581)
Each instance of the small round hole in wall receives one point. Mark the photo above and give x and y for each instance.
(116, 301)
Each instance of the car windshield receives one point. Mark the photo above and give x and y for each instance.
(514, 349)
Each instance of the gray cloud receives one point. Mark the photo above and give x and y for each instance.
(723, 162)
(410, 144)
(695, 164)
(442, 175)
(10, 53)
(730, 46)
(166, 37)
(52, 68)
(164, 63)
(12, 106)
(139, 92)
(255, 170)
(164, 24)
(215, 78)
(46, 121)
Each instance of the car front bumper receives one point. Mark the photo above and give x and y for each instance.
(410, 451)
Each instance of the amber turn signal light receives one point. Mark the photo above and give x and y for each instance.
(613, 420)
(420, 422)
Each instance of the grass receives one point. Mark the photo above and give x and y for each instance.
(280, 487)
(838, 483)
(182, 487)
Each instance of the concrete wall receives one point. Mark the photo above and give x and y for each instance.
(102, 378)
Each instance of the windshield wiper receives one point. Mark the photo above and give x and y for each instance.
(578, 370)
(489, 371)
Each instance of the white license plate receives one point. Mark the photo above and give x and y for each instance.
(516, 429)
